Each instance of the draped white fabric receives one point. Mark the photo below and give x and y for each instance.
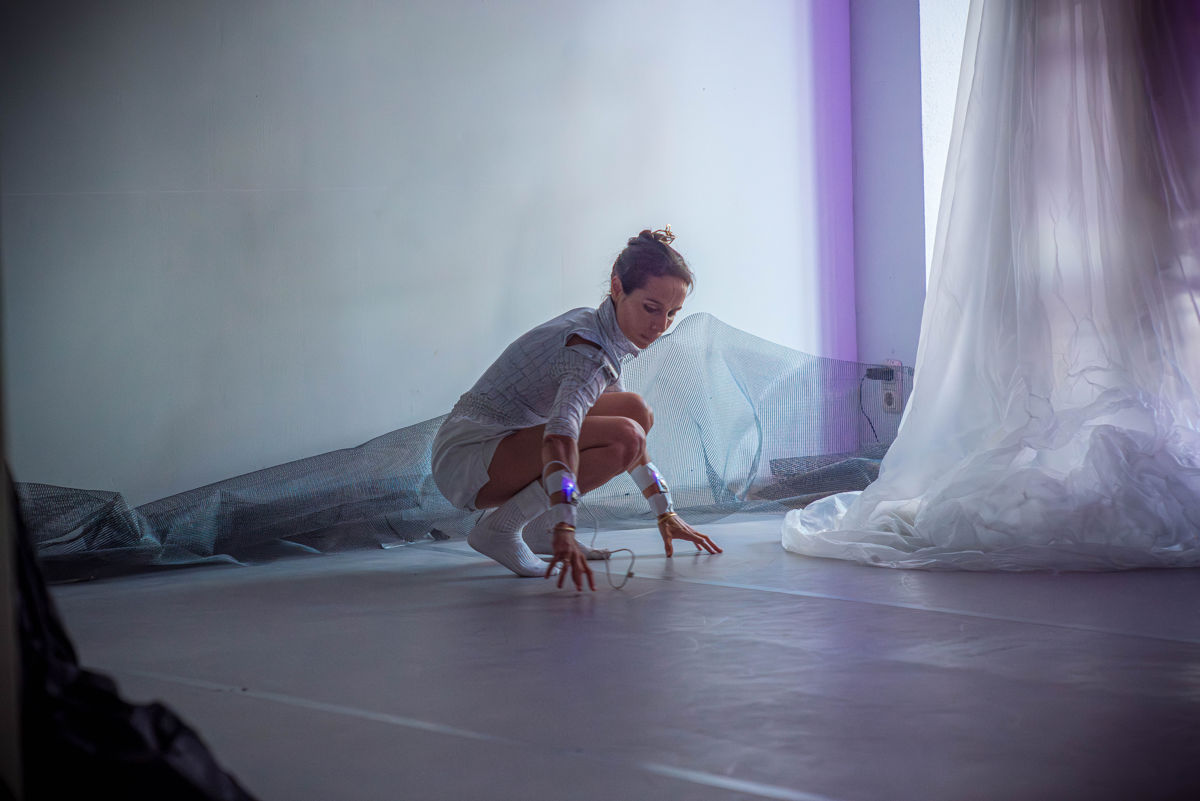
(1054, 421)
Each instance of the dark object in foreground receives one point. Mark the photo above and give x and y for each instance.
(78, 735)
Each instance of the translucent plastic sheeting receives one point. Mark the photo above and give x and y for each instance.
(1054, 423)
(741, 424)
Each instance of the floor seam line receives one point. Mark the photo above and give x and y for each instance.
(891, 604)
(917, 608)
(683, 774)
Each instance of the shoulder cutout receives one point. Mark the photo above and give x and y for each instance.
(578, 340)
(609, 371)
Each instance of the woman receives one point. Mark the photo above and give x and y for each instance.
(549, 420)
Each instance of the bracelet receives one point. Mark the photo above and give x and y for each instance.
(665, 515)
(563, 513)
(563, 526)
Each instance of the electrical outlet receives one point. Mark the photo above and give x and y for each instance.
(892, 391)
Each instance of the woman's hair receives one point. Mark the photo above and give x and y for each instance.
(648, 255)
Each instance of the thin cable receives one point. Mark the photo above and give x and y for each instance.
(609, 554)
(864, 411)
(628, 573)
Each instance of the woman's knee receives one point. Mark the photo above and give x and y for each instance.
(648, 423)
(630, 437)
(634, 406)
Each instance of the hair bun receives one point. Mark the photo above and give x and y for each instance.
(650, 255)
(663, 235)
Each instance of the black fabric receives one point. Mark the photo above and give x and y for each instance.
(79, 737)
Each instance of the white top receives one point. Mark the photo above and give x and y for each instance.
(539, 379)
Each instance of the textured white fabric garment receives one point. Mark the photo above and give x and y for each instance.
(538, 379)
(1053, 422)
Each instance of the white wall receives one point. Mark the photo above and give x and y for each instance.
(240, 233)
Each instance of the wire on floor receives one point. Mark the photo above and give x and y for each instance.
(609, 554)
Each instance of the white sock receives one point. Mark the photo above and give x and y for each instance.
(498, 535)
(539, 536)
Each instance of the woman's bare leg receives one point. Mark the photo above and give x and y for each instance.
(514, 489)
(611, 441)
(625, 404)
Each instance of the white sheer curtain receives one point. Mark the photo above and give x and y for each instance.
(1054, 421)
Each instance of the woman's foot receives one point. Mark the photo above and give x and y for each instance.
(506, 547)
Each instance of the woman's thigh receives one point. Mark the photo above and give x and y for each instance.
(518, 458)
(624, 404)
(461, 453)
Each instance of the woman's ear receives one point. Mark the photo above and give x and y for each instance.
(614, 287)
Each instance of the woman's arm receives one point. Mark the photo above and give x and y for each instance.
(560, 449)
(670, 525)
(560, 456)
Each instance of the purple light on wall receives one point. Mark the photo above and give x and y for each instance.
(829, 28)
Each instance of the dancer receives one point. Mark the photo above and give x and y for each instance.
(550, 420)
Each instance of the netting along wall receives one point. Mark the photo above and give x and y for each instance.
(741, 424)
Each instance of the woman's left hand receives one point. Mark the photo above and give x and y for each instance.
(672, 527)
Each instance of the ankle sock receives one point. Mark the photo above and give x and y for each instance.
(498, 535)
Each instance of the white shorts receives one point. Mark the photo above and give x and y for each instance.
(462, 452)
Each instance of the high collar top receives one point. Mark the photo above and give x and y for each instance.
(606, 318)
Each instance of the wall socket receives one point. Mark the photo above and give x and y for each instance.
(892, 391)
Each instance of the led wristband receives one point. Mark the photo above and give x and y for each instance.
(563, 513)
(565, 510)
(646, 476)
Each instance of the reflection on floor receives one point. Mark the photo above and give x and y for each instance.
(428, 672)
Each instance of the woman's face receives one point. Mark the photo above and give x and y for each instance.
(645, 314)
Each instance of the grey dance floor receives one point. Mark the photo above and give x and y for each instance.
(428, 672)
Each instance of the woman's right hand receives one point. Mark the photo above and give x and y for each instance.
(568, 553)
